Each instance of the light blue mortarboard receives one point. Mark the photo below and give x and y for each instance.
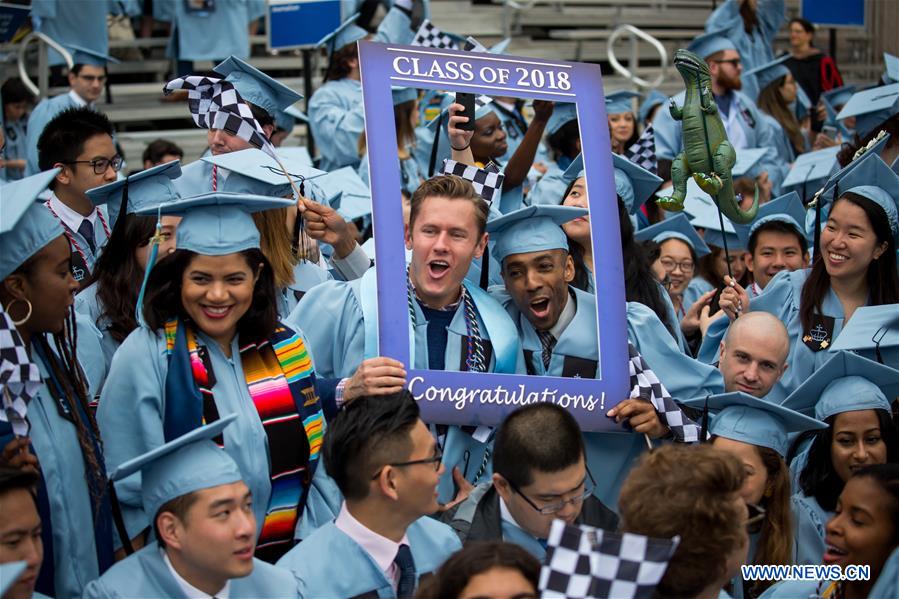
(82, 55)
(563, 113)
(836, 182)
(219, 223)
(297, 114)
(747, 158)
(847, 382)
(708, 43)
(256, 87)
(403, 94)
(189, 463)
(296, 154)
(810, 171)
(9, 574)
(147, 189)
(787, 209)
(875, 180)
(633, 183)
(287, 118)
(890, 68)
(871, 107)
(575, 170)
(655, 98)
(706, 217)
(259, 174)
(870, 327)
(345, 34)
(531, 229)
(768, 73)
(742, 417)
(25, 225)
(802, 104)
(344, 191)
(676, 227)
(620, 102)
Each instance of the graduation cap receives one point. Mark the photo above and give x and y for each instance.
(563, 113)
(875, 180)
(810, 171)
(620, 102)
(575, 170)
(870, 328)
(287, 118)
(403, 94)
(709, 43)
(802, 104)
(747, 158)
(768, 73)
(835, 183)
(257, 173)
(653, 99)
(82, 55)
(219, 223)
(345, 34)
(25, 225)
(9, 575)
(676, 227)
(142, 191)
(834, 100)
(787, 209)
(847, 382)
(532, 229)
(633, 183)
(344, 191)
(256, 87)
(743, 417)
(297, 154)
(871, 107)
(706, 217)
(891, 68)
(189, 463)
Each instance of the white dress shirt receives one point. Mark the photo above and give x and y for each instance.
(381, 549)
(190, 591)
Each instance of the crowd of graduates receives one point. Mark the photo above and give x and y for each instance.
(193, 400)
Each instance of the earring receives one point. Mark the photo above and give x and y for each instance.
(768, 492)
(22, 320)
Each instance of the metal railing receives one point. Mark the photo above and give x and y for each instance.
(43, 65)
(636, 34)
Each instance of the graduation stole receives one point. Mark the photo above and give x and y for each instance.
(281, 382)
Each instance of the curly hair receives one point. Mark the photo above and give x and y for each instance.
(477, 558)
(699, 484)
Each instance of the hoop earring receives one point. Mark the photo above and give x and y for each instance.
(23, 320)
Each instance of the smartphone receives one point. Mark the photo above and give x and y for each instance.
(830, 131)
(467, 101)
(713, 305)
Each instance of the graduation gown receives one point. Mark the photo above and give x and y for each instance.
(16, 148)
(91, 323)
(410, 172)
(550, 188)
(329, 564)
(82, 255)
(82, 23)
(809, 520)
(55, 443)
(192, 32)
(145, 574)
(43, 113)
(336, 116)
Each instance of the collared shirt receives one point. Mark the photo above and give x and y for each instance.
(381, 549)
(78, 99)
(506, 515)
(755, 290)
(71, 218)
(190, 591)
(565, 317)
(732, 117)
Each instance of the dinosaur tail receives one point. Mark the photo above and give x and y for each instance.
(730, 206)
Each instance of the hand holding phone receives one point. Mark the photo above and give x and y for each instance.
(467, 101)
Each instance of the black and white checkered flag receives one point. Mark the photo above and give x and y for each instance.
(20, 378)
(646, 385)
(473, 45)
(643, 152)
(429, 36)
(215, 104)
(582, 562)
(486, 183)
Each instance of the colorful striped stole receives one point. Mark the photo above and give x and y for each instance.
(281, 382)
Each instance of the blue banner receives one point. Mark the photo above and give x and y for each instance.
(835, 13)
(300, 23)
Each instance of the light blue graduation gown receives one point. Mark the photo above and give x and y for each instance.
(16, 148)
(550, 188)
(43, 113)
(212, 35)
(132, 405)
(809, 521)
(82, 23)
(329, 564)
(100, 241)
(88, 315)
(411, 175)
(336, 116)
(145, 574)
(758, 48)
(674, 318)
(737, 581)
(695, 288)
(514, 534)
(782, 145)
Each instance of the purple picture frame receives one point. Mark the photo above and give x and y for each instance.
(485, 398)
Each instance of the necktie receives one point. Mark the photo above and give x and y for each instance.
(406, 566)
(548, 342)
(86, 230)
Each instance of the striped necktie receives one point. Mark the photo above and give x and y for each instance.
(548, 341)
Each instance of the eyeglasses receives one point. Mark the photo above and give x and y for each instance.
(554, 508)
(734, 62)
(101, 164)
(670, 265)
(436, 459)
(756, 514)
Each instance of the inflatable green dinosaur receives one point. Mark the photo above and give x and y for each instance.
(707, 155)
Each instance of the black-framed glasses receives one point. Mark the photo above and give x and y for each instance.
(734, 62)
(436, 459)
(756, 514)
(101, 164)
(554, 508)
(686, 266)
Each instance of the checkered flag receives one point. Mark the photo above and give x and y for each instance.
(20, 378)
(486, 183)
(215, 104)
(582, 562)
(643, 152)
(473, 45)
(647, 386)
(429, 36)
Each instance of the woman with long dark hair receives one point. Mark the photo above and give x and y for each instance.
(213, 345)
(623, 129)
(62, 443)
(778, 93)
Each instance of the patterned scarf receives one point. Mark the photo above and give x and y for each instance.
(281, 382)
